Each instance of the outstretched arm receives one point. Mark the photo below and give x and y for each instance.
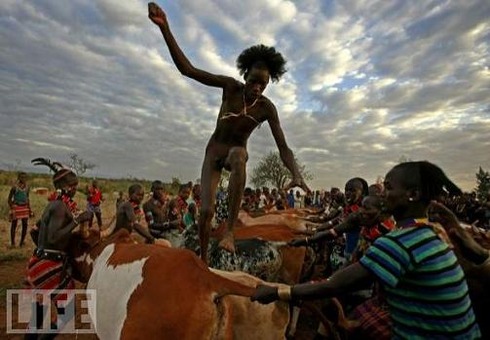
(159, 18)
(285, 152)
(349, 279)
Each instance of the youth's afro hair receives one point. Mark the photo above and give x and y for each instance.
(273, 60)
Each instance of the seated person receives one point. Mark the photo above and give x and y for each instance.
(129, 216)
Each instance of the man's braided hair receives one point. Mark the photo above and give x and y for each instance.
(265, 55)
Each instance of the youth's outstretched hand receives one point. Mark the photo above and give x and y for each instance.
(156, 14)
(297, 182)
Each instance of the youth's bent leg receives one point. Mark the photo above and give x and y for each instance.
(237, 160)
(210, 177)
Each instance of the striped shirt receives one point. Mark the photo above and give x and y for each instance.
(425, 286)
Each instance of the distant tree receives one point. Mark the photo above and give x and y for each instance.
(482, 183)
(271, 170)
(79, 165)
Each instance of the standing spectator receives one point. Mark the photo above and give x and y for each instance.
(298, 200)
(308, 199)
(290, 199)
(281, 201)
(177, 207)
(120, 199)
(94, 199)
(195, 198)
(18, 201)
(259, 202)
(355, 189)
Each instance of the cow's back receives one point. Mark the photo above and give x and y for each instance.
(152, 292)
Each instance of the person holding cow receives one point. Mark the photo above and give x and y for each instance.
(49, 266)
(243, 109)
(424, 285)
(20, 209)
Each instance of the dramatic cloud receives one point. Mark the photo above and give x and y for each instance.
(368, 83)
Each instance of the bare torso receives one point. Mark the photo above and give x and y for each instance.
(234, 124)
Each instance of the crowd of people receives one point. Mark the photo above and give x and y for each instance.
(165, 212)
(367, 221)
(394, 239)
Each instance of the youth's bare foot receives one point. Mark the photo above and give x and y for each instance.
(228, 242)
(163, 243)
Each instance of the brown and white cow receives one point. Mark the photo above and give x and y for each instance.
(252, 320)
(146, 291)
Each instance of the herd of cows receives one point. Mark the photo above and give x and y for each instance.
(144, 291)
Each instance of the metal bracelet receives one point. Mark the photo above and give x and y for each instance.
(284, 293)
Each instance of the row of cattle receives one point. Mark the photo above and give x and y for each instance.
(146, 291)
(150, 291)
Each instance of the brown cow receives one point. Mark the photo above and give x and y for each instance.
(292, 220)
(251, 321)
(147, 291)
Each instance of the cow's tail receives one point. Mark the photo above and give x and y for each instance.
(226, 287)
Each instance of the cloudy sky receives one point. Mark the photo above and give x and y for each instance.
(368, 82)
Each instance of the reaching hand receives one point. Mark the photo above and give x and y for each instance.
(469, 248)
(265, 294)
(156, 14)
(440, 213)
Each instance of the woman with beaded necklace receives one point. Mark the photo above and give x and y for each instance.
(20, 209)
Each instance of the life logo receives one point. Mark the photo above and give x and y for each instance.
(68, 311)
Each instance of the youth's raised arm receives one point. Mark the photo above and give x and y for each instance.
(285, 152)
(159, 18)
